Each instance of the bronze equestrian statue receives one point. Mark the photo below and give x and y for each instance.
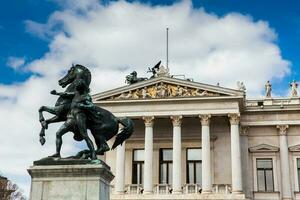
(75, 107)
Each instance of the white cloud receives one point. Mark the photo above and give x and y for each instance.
(116, 39)
(15, 62)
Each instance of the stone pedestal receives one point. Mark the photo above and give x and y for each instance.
(70, 182)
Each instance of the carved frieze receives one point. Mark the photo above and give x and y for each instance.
(162, 90)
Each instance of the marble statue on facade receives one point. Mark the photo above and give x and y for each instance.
(162, 90)
(145, 93)
(241, 86)
(268, 89)
(294, 87)
(159, 70)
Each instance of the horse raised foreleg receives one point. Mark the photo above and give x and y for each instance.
(52, 110)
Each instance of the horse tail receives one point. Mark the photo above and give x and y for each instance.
(126, 131)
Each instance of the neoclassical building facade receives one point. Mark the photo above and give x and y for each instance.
(200, 141)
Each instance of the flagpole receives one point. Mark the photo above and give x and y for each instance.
(167, 48)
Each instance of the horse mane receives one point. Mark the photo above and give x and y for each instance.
(87, 72)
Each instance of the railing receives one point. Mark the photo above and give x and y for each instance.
(167, 189)
(192, 189)
(221, 188)
(163, 189)
(134, 189)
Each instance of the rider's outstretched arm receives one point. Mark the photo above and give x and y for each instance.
(67, 94)
(63, 94)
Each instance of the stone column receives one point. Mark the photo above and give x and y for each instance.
(236, 164)
(246, 163)
(148, 185)
(284, 162)
(206, 162)
(120, 170)
(176, 154)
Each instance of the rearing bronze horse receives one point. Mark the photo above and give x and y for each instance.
(102, 123)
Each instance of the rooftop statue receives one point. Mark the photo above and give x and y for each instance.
(294, 86)
(132, 78)
(241, 86)
(75, 108)
(268, 88)
(158, 70)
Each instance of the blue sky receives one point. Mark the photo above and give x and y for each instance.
(15, 41)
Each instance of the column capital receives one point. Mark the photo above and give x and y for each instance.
(205, 119)
(234, 118)
(148, 120)
(282, 129)
(176, 120)
(244, 130)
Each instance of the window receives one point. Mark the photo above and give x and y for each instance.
(194, 166)
(165, 166)
(265, 174)
(138, 166)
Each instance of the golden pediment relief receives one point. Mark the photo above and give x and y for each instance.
(162, 90)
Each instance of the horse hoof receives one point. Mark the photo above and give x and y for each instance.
(42, 140)
(56, 155)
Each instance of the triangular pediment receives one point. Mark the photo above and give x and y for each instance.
(295, 148)
(166, 87)
(263, 148)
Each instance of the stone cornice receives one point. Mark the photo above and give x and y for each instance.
(263, 148)
(234, 119)
(205, 119)
(148, 120)
(270, 123)
(295, 148)
(55, 171)
(176, 120)
(282, 129)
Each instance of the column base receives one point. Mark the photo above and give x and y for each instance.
(237, 192)
(148, 192)
(119, 192)
(177, 192)
(206, 192)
